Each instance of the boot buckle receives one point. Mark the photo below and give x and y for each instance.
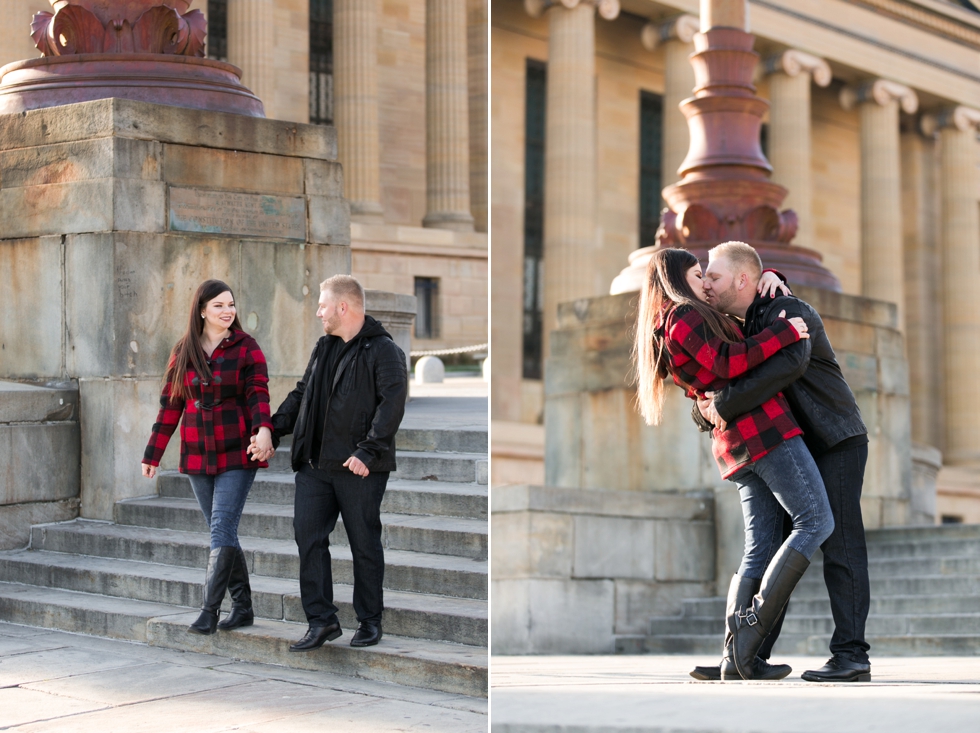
(750, 618)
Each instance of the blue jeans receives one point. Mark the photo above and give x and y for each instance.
(222, 499)
(787, 479)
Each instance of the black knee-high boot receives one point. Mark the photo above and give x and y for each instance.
(241, 595)
(749, 627)
(740, 594)
(220, 563)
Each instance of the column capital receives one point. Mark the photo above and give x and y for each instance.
(793, 63)
(608, 9)
(880, 91)
(679, 28)
(958, 118)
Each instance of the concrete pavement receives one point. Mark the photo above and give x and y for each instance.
(69, 683)
(654, 694)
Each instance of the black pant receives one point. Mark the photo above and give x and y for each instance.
(320, 497)
(845, 555)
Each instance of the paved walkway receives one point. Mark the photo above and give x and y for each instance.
(457, 403)
(55, 681)
(654, 694)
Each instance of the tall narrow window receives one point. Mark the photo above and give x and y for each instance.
(764, 139)
(427, 312)
(321, 62)
(651, 180)
(217, 38)
(534, 217)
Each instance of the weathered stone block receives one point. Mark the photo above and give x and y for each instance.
(139, 206)
(613, 547)
(30, 403)
(32, 267)
(860, 370)
(16, 520)
(858, 338)
(186, 165)
(323, 178)
(893, 375)
(38, 462)
(638, 601)
(563, 441)
(531, 545)
(684, 551)
(81, 160)
(329, 220)
(729, 534)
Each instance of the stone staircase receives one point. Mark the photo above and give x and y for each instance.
(139, 577)
(925, 600)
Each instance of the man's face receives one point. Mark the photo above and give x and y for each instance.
(720, 285)
(329, 312)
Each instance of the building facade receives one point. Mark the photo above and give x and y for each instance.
(872, 128)
(405, 83)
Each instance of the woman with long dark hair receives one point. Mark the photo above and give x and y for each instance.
(679, 335)
(217, 379)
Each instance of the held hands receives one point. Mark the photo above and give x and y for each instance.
(798, 323)
(148, 470)
(769, 283)
(260, 447)
(710, 413)
(357, 467)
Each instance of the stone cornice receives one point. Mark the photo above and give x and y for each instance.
(958, 118)
(944, 19)
(880, 91)
(608, 9)
(681, 28)
(793, 62)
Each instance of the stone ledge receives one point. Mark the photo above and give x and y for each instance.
(631, 504)
(33, 403)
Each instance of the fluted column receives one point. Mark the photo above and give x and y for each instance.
(355, 65)
(882, 272)
(675, 36)
(570, 237)
(478, 54)
(960, 233)
(446, 117)
(789, 130)
(251, 24)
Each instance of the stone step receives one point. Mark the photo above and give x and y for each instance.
(401, 496)
(941, 547)
(443, 441)
(816, 645)
(922, 585)
(714, 608)
(419, 466)
(796, 624)
(404, 571)
(406, 614)
(454, 668)
(430, 534)
(909, 535)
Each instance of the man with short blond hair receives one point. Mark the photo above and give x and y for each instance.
(343, 416)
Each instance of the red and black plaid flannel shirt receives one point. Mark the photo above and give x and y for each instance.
(219, 422)
(701, 364)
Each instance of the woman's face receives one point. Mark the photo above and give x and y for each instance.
(219, 312)
(694, 280)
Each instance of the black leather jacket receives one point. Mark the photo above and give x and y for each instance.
(364, 408)
(806, 372)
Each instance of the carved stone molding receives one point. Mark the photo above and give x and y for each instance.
(681, 28)
(138, 26)
(793, 63)
(959, 118)
(880, 91)
(608, 9)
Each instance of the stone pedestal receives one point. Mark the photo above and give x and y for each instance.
(112, 212)
(595, 439)
(396, 312)
(39, 451)
(573, 570)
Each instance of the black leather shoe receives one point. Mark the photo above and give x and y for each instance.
(840, 669)
(762, 671)
(367, 634)
(316, 637)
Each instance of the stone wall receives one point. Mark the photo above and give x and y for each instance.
(39, 458)
(573, 570)
(92, 251)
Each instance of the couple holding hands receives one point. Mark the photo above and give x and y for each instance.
(343, 416)
(785, 429)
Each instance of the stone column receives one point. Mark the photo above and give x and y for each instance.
(478, 59)
(355, 68)
(675, 36)
(570, 238)
(447, 169)
(251, 24)
(960, 233)
(881, 198)
(789, 130)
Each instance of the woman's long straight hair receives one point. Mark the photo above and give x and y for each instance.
(188, 352)
(665, 286)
